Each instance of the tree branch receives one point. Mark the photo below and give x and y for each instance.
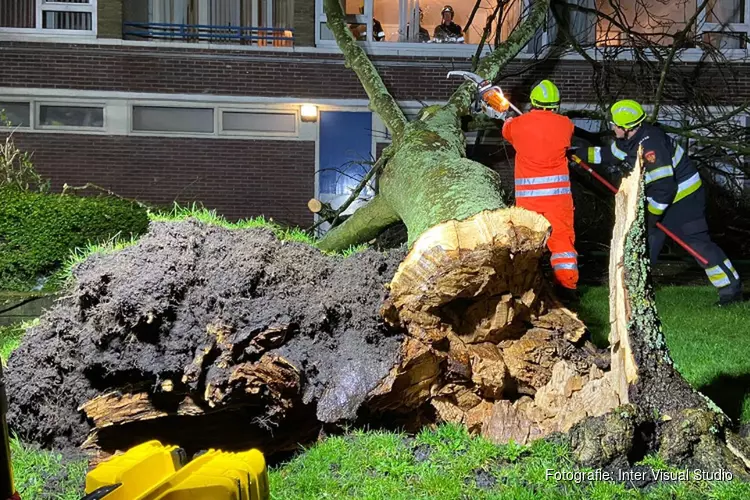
(381, 101)
(491, 64)
(363, 225)
(377, 167)
(471, 16)
(719, 119)
(679, 41)
(737, 147)
(485, 33)
(91, 185)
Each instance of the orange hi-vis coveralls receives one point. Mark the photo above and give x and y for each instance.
(541, 139)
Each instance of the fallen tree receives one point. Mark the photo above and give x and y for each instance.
(206, 337)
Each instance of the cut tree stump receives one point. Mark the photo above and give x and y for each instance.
(480, 317)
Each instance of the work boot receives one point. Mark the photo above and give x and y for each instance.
(730, 297)
(566, 295)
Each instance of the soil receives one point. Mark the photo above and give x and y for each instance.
(142, 313)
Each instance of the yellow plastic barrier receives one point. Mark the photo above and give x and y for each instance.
(214, 475)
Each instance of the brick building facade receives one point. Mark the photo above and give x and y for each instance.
(224, 124)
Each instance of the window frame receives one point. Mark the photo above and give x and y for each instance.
(43, 6)
(704, 26)
(32, 114)
(37, 123)
(220, 110)
(193, 105)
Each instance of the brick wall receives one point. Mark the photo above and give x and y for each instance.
(238, 178)
(109, 14)
(304, 23)
(288, 74)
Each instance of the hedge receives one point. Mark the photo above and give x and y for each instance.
(39, 231)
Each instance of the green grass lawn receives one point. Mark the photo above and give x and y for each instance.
(711, 347)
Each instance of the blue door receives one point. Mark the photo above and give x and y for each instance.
(345, 155)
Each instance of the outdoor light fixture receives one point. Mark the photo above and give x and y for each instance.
(309, 112)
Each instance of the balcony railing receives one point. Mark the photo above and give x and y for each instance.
(248, 35)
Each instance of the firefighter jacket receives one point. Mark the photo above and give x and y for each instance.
(670, 176)
(447, 30)
(541, 139)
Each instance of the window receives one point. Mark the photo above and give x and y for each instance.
(71, 116)
(18, 114)
(251, 121)
(725, 25)
(58, 16)
(259, 22)
(391, 20)
(638, 22)
(169, 119)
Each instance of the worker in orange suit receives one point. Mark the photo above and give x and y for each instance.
(542, 179)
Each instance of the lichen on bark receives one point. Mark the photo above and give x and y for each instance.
(644, 316)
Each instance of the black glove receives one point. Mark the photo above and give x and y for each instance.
(651, 220)
(581, 153)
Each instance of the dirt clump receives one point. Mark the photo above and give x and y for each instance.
(178, 314)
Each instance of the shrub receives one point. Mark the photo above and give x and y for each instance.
(39, 231)
(16, 169)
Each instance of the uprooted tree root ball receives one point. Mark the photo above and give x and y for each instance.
(207, 337)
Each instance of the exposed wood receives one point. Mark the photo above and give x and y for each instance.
(472, 298)
(315, 205)
(488, 255)
(626, 210)
(507, 423)
(114, 408)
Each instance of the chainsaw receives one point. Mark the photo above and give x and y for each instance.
(488, 99)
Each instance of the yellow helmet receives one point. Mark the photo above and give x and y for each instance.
(627, 114)
(545, 95)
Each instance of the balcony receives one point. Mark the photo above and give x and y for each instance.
(208, 33)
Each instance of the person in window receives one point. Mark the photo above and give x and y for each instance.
(377, 30)
(359, 31)
(424, 35)
(447, 28)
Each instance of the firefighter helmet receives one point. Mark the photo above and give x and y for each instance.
(448, 8)
(627, 114)
(545, 95)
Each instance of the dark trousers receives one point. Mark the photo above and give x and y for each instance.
(687, 220)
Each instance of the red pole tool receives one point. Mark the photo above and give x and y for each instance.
(666, 231)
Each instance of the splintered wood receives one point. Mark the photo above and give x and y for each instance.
(626, 211)
(489, 347)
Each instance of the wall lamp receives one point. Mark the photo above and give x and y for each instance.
(309, 112)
